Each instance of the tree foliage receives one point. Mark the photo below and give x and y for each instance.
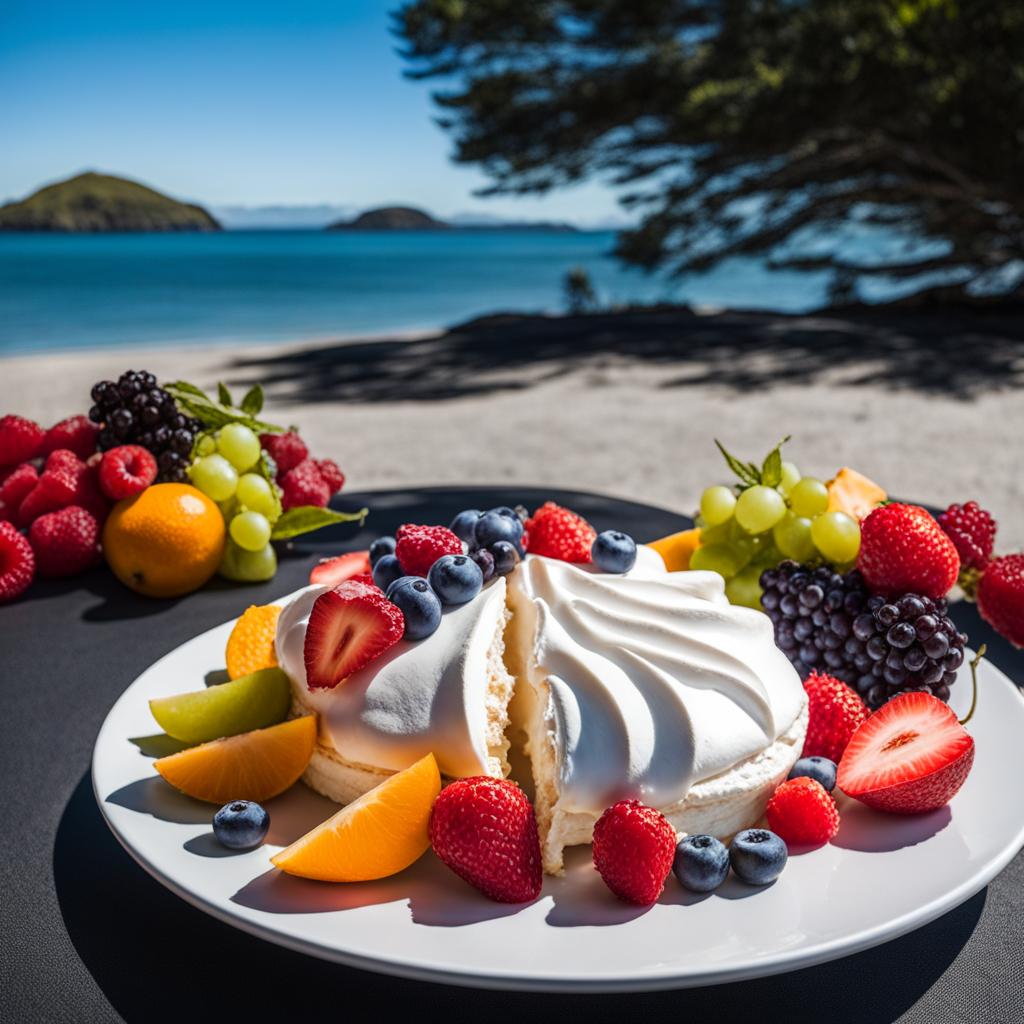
(753, 127)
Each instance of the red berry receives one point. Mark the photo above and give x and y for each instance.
(348, 627)
(77, 434)
(634, 847)
(419, 547)
(1001, 597)
(834, 711)
(332, 571)
(56, 488)
(802, 811)
(559, 533)
(15, 487)
(65, 542)
(287, 451)
(910, 756)
(903, 550)
(17, 563)
(972, 531)
(126, 471)
(20, 440)
(331, 473)
(484, 829)
(304, 485)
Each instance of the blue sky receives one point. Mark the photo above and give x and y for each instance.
(235, 103)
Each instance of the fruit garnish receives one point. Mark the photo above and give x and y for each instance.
(17, 563)
(558, 532)
(252, 701)
(904, 550)
(65, 542)
(757, 856)
(484, 829)
(304, 485)
(348, 627)
(634, 847)
(1001, 597)
(821, 769)
(329, 572)
(973, 532)
(332, 474)
(455, 579)
(241, 825)
(76, 433)
(853, 493)
(910, 756)
(253, 766)
(419, 547)
(126, 471)
(677, 549)
(20, 440)
(14, 489)
(613, 551)
(287, 450)
(379, 834)
(701, 863)
(834, 714)
(418, 605)
(65, 480)
(802, 812)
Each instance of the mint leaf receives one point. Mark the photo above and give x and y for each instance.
(746, 471)
(306, 518)
(223, 395)
(215, 415)
(252, 402)
(771, 470)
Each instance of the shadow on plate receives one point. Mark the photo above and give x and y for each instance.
(870, 831)
(155, 797)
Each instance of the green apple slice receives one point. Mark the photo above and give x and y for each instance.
(250, 702)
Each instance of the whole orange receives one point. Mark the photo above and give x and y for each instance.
(164, 542)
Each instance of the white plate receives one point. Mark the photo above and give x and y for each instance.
(880, 878)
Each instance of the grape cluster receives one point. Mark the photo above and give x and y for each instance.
(133, 410)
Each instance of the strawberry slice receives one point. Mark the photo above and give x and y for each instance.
(910, 756)
(332, 571)
(348, 627)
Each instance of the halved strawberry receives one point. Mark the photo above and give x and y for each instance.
(348, 627)
(332, 571)
(911, 755)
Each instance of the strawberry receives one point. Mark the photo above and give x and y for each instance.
(972, 531)
(17, 563)
(349, 626)
(834, 712)
(304, 485)
(20, 440)
(802, 811)
(331, 473)
(287, 451)
(634, 847)
(419, 547)
(126, 470)
(332, 571)
(910, 756)
(1001, 597)
(559, 533)
(484, 829)
(77, 434)
(65, 542)
(15, 487)
(904, 550)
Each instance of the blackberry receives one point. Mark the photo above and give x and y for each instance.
(133, 410)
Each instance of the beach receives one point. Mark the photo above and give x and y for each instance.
(629, 404)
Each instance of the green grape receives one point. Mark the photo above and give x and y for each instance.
(790, 476)
(250, 531)
(256, 495)
(239, 445)
(745, 588)
(759, 508)
(717, 505)
(720, 534)
(808, 498)
(206, 445)
(720, 558)
(229, 509)
(792, 536)
(837, 536)
(248, 566)
(215, 477)
(768, 555)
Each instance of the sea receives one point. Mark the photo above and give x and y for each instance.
(90, 291)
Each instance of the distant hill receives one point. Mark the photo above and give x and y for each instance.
(99, 202)
(391, 218)
(281, 216)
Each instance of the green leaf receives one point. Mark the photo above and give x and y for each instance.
(771, 470)
(252, 402)
(186, 388)
(306, 518)
(215, 414)
(747, 472)
(223, 395)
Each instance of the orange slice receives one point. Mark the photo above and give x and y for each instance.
(253, 766)
(853, 493)
(251, 644)
(380, 834)
(677, 549)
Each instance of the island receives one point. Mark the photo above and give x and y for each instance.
(92, 203)
(391, 218)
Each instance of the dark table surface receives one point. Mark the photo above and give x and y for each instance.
(87, 935)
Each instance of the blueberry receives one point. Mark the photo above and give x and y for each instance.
(757, 856)
(821, 769)
(505, 555)
(455, 579)
(386, 570)
(241, 825)
(380, 547)
(613, 551)
(508, 513)
(485, 560)
(493, 526)
(701, 863)
(418, 604)
(464, 524)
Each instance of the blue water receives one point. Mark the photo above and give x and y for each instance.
(86, 291)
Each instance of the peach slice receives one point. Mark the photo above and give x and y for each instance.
(853, 493)
(677, 549)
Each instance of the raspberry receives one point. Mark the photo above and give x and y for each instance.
(419, 547)
(484, 829)
(56, 488)
(66, 542)
(634, 847)
(287, 451)
(126, 470)
(1001, 597)
(20, 440)
(15, 487)
(304, 485)
(17, 563)
(559, 533)
(972, 531)
(834, 712)
(801, 811)
(77, 434)
(331, 473)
